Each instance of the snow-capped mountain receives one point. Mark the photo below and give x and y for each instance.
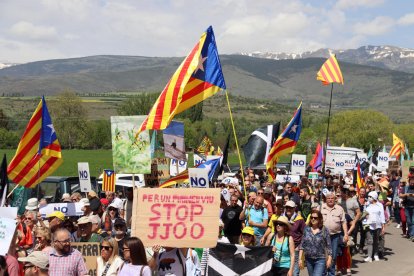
(390, 57)
(6, 64)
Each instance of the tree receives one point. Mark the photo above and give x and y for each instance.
(360, 128)
(69, 119)
(140, 104)
(4, 120)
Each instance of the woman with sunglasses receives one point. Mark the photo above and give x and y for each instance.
(248, 238)
(136, 259)
(109, 262)
(283, 248)
(316, 245)
(43, 239)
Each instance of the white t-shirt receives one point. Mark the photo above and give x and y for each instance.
(130, 269)
(169, 264)
(113, 268)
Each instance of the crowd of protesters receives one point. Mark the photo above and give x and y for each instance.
(314, 225)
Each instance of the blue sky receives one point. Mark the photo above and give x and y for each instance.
(50, 29)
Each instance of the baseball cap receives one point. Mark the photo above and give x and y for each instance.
(267, 190)
(85, 202)
(37, 258)
(92, 194)
(84, 220)
(56, 214)
(104, 201)
(248, 230)
(290, 203)
(373, 194)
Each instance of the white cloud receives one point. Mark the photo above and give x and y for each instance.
(378, 26)
(347, 4)
(407, 19)
(28, 30)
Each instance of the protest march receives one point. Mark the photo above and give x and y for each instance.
(310, 216)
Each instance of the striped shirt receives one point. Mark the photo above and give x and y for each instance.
(71, 264)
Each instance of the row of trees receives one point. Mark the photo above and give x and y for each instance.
(356, 128)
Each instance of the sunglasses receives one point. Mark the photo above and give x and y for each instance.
(279, 224)
(246, 235)
(28, 218)
(316, 218)
(111, 209)
(105, 247)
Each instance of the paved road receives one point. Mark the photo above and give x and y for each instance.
(398, 259)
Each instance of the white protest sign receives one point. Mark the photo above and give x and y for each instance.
(340, 159)
(198, 160)
(282, 178)
(230, 181)
(382, 161)
(225, 193)
(7, 228)
(298, 164)
(182, 165)
(84, 177)
(198, 177)
(68, 209)
(363, 157)
(8, 212)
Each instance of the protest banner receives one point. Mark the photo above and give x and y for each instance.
(198, 177)
(130, 154)
(313, 176)
(8, 212)
(7, 228)
(230, 181)
(173, 137)
(160, 171)
(68, 209)
(198, 160)
(176, 217)
(84, 177)
(225, 193)
(298, 164)
(340, 159)
(90, 252)
(382, 161)
(284, 178)
(362, 156)
(406, 165)
(182, 166)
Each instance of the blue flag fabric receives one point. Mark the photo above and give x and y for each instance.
(211, 165)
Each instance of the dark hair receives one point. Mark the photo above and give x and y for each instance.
(136, 251)
(3, 265)
(320, 217)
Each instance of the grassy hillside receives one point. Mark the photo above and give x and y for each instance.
(283, 81)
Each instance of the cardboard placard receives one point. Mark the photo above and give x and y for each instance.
(198, 160)
(313, 175)
(176, 217)
(339, 160)
(68, 209)
(160, 171)
(180, 164)
(298, 164)
(8, 212)
(406, 164)
(383, 159)
(90, 252)
(7, 228)
(284, 178)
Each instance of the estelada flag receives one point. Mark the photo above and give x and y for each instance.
(108, 181)
(198, 77)
(330, 72)
(398, 146)
(38, 154)
(286, 142)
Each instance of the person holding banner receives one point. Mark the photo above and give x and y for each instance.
(109, 263)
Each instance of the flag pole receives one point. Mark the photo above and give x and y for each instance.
(237, 144)
(327, 129)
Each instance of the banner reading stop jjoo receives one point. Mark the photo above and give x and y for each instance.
(176, 217)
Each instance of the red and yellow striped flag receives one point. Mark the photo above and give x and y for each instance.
(198, 77)
(179, 178)
(108, 181)
(38, 154)
(398, 146)
(330, 72)
(360, 183)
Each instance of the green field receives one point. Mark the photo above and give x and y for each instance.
(102, 159)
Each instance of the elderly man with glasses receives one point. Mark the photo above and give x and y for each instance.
(65, 260)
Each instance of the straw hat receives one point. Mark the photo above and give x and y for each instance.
(32, 204)
(284, 220)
